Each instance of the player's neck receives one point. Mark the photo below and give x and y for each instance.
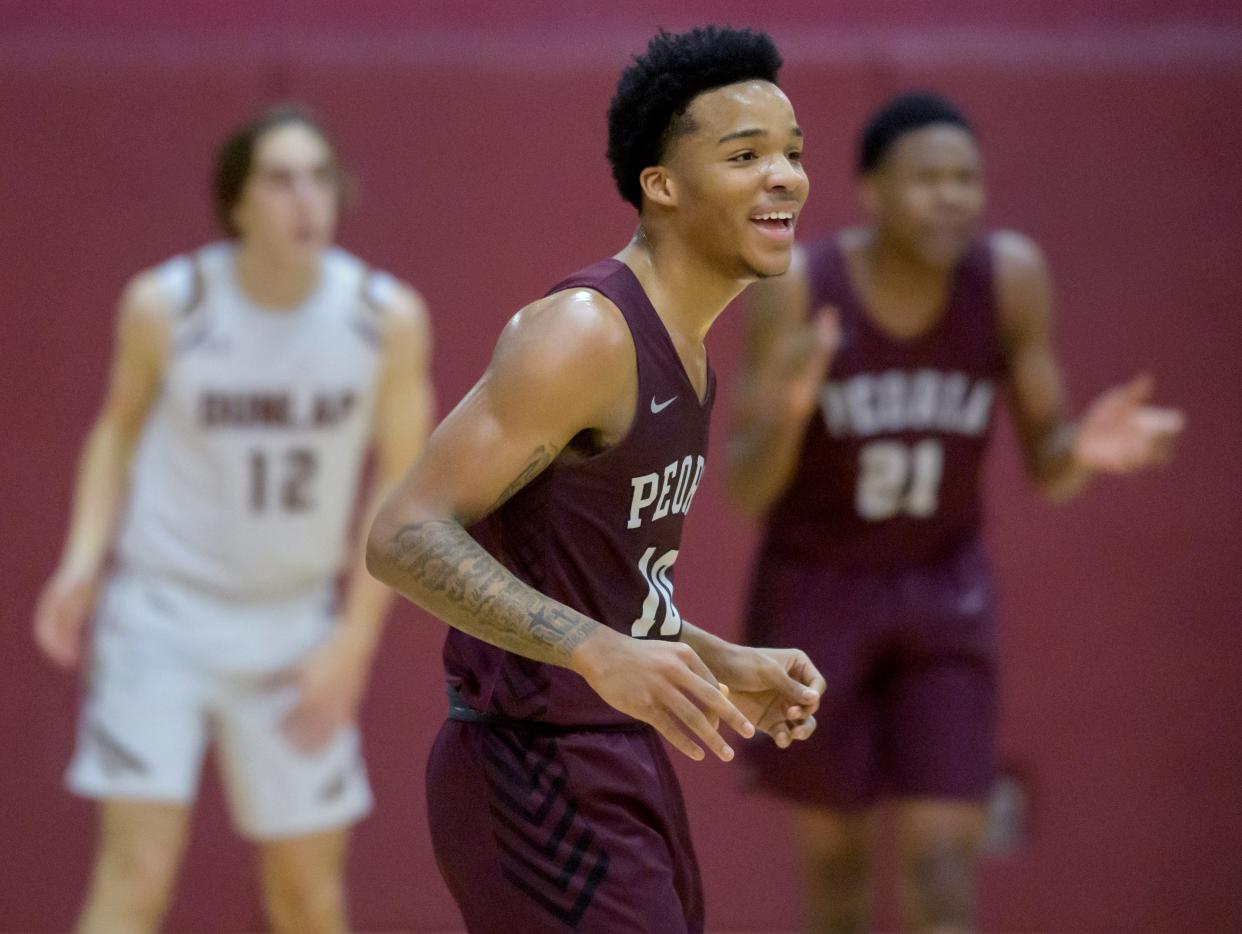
(273, 283)
(687, 292)
(893, 268)
(902, 296)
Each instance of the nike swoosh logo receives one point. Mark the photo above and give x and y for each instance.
(658, 407)
(972, 602)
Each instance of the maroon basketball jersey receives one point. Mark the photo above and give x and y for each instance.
(891, 463)
(602, 535)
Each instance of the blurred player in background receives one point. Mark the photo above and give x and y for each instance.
(552, 802)
(864, 409)
(248, 381)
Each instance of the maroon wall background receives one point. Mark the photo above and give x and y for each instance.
(476, 132)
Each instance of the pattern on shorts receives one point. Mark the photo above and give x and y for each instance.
(115, 757)
(547, 850)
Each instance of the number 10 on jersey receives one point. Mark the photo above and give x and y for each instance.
(655, 571)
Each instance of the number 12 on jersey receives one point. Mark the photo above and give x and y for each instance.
(297, 469)
(898, 478)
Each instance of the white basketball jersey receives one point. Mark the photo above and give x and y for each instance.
(245, 475)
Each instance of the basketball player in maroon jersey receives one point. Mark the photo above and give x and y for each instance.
(551, 800)
(863, 413)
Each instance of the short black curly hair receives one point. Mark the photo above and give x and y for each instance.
(648, 110)
(904, 114)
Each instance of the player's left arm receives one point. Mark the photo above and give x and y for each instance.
(1118, 433)
(334, 678)
(777, 689)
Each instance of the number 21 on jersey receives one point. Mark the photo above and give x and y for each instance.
(896, 478)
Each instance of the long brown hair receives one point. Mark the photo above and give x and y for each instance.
(235, 157)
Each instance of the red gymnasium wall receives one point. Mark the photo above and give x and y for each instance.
(476, 132)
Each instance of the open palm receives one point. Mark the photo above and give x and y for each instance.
(1120, 433)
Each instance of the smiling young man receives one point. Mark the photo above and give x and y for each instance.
(552, 802)
(863, 417)
(248, 381)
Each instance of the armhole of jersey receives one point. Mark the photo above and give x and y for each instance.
(644, 343)
(709, 397)
(820, 258)
(182, 278)
(639, 336)
(375, 289)
(985, 257)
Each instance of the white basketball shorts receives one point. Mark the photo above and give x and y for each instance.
(174, 670)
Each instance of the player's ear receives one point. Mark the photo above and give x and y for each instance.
(869, 193)
(236, 217)
(657, 186)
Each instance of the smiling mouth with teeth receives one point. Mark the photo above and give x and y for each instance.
(775, 220)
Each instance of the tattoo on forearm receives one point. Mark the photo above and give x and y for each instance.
(535, 466)
(438, 565)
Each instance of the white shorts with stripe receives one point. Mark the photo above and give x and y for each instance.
(174, 670)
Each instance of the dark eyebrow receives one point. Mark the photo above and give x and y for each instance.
(753, 131)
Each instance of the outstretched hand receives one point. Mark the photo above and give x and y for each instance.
(1120, 434)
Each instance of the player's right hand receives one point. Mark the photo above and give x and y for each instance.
(61, 614)
(802, 357)
(664, 684)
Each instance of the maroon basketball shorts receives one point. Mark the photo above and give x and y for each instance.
(581, 830)
(909, 655)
